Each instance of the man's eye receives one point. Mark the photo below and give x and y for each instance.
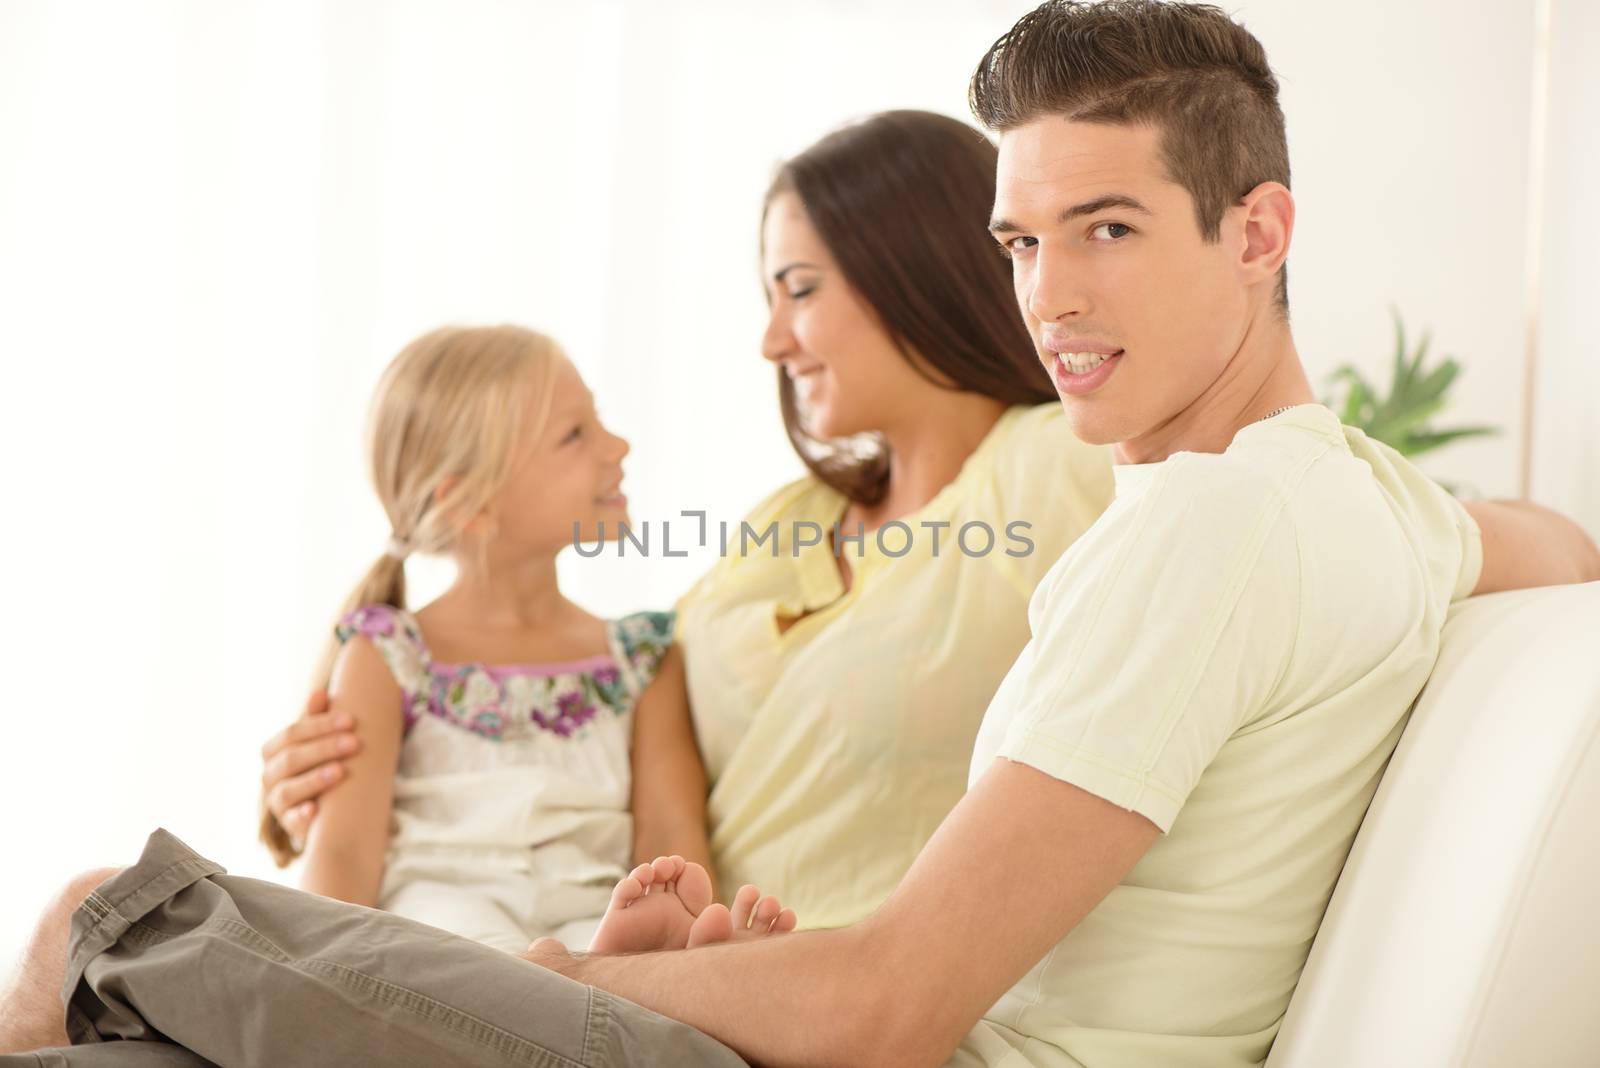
(1014, 246)
(1122, 231)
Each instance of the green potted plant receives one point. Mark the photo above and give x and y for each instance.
(1401, 417)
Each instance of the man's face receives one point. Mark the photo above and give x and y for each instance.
(1131, 312)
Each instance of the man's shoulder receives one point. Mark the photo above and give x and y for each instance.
(1304, 467)
(1193, 512)
(1213, 492)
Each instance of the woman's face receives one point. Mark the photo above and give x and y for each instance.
(848, 375)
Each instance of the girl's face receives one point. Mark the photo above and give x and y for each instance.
(848, 375)
(571, 474)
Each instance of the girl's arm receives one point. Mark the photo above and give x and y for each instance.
(346, 845)
(669, 779)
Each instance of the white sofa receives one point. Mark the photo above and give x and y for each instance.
(1465, 929)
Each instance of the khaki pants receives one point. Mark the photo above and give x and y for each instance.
(180, 964)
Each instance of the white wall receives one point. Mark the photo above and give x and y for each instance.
(217, 223)
(1566, 445)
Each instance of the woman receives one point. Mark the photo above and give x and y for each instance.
(837, 683)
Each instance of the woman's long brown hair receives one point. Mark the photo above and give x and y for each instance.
(902, 200)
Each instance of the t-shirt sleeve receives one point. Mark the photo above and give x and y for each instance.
(398, 639)
(1471, 544)
(644, 638)
(1049, 489)
(1165, 631)
(1446, 530)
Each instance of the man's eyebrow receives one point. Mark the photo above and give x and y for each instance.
(1088, 207)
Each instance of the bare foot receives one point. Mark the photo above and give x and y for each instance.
(665, 904)
(754, 916)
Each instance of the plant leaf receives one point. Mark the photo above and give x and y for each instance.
(1432, 385)
(1427, 440)
(1402, 420)
(1416, 361)
(1399, 373)
(1357, 396)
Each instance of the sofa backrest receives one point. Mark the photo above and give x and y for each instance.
(1465, 928)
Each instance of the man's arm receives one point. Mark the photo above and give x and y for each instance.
(1526, 545)
(1013, 868)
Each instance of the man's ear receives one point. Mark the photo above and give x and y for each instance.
(1267, 212)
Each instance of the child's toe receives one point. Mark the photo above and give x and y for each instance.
(714, 924)
(744, 902)
(629, 889)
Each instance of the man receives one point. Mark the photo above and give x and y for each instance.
(1164, 789)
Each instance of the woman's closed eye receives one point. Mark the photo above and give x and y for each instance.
(572, 435)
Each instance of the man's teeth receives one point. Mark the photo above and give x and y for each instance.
(1083, 362)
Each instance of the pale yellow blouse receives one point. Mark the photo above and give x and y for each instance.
(835, 748)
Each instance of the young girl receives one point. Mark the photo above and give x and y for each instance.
(489, 790)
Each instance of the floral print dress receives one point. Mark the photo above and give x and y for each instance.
(510, 818)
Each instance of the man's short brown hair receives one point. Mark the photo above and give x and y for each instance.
(1188, 69)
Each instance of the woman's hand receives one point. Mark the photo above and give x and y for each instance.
(304, 761)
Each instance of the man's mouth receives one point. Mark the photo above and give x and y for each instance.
(1081, 363)
(1078, 373)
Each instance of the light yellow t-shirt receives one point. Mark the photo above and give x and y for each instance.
(836, 747)
(1231, 651)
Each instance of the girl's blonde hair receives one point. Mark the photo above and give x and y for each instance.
(442, 437)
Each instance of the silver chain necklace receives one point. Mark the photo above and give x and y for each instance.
(1276, 412)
